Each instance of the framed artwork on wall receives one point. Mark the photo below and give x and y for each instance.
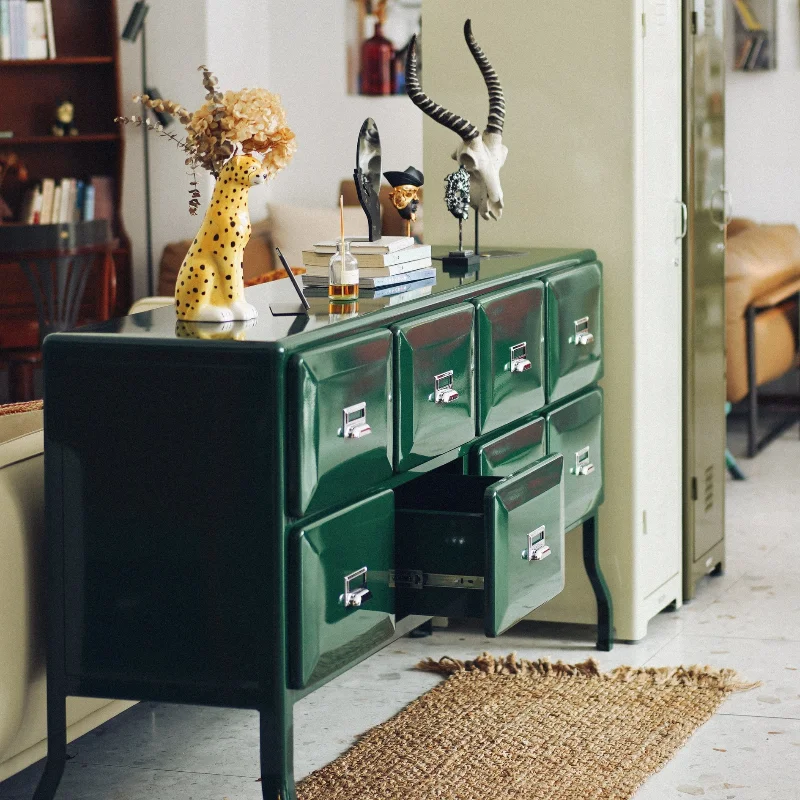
(379, 32)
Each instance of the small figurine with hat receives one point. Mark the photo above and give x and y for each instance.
(405, 193)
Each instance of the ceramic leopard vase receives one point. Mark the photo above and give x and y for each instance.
(210, 284)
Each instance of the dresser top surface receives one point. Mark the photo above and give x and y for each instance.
(159, 325)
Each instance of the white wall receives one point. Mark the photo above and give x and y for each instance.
(297, 50)
(176, 45)
(762, 139)
(308, 69)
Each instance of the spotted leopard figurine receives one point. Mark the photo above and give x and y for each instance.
(210, 284)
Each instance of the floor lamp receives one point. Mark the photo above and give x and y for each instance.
(135, 28)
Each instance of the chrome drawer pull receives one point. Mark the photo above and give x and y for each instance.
(537, 549)
(582, 334)
(354, 421)
(519, 362)
(353, 598)
(582, 464)
(443, 391)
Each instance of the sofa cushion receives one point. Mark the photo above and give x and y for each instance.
(298, 228)
(257, 259)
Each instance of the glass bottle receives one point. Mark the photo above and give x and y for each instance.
(343, 274)
(377, 64)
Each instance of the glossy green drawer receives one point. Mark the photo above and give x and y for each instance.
(328, 630)
(513, 451)
(576, 431)
(434, 394)
(469, 546)
(574, 330)
(510, 379)
(340, 431)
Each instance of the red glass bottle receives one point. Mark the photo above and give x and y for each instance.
(377, 64)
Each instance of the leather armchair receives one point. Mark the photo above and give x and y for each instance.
(762, 286)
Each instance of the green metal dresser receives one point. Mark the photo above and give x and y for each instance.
(236, 515)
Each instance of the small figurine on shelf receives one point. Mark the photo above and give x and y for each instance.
(65, 114)
(456, 198)
(405, 193)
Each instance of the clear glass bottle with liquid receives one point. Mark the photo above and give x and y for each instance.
(343, 274)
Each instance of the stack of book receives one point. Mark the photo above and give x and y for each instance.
(389, 261)
(69, 200)
(26, 29)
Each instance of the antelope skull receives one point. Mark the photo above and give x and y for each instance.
(481, 154)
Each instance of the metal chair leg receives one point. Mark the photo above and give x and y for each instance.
(605, 608)
(752, 388)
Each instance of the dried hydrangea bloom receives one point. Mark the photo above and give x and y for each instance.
(251, 119)
(248, 121)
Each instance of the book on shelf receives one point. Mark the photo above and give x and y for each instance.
(375, 272)
(5, 29)
(311, 258)
(51, 33)
(48, 191)
(36, 29)
(26, 29)
(366, 282)
(402, 292)
(69, 200)
(386, 244)
(746, 15)
(17, 29)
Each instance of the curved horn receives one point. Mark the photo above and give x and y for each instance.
(464, 128)
(497, 103)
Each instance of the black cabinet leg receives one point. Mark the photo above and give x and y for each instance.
(421, 631)
(591, 561)
(277, 757)
(56, 743)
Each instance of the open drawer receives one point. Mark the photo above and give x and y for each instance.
(474, 546)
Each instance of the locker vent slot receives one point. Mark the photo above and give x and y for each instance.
(709, 487)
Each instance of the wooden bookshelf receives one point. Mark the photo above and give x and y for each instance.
(86, 71)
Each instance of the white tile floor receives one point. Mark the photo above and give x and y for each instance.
(748, 619)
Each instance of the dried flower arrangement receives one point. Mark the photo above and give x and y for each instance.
(251, 121)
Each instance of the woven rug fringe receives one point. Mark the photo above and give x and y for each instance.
(726, 680)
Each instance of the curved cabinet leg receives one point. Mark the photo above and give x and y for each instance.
(56, 743)
(605, 609)
(276, 749)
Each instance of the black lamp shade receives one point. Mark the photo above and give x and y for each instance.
(135, 21)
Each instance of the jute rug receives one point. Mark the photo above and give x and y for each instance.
(509, 729)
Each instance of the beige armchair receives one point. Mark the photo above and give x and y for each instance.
(23, 726)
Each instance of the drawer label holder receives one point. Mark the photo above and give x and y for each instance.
(354, 421)
(417, 579)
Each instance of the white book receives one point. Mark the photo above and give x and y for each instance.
(48, 191)
(374, 283)
(311, 258)
(51, 34)
(386, 244)
(65, 205)
(376, 272)
(5, 29)
(36, 29)
(18, 29)
(56, 205)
